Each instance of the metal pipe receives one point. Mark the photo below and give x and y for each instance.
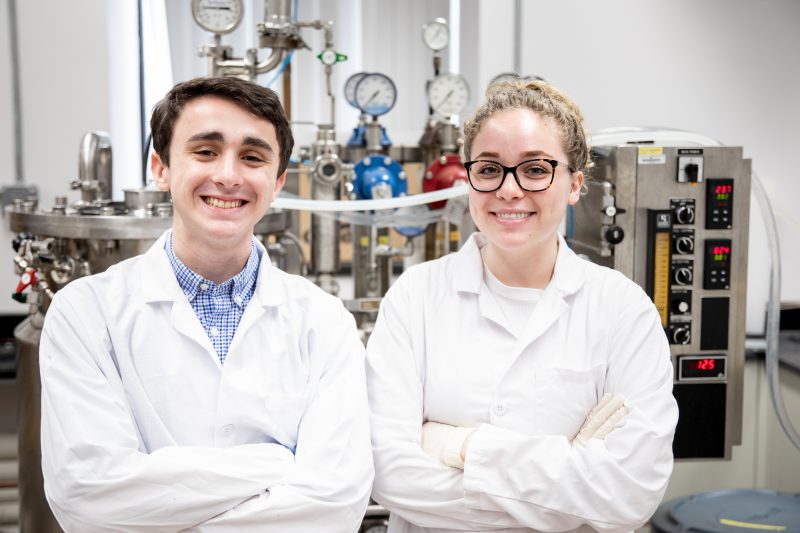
(278, 12)
(274, 59)
(15, 91)
(94, 166)
(517, 36)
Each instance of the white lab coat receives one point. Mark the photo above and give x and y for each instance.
(440, 352)
(144, 430)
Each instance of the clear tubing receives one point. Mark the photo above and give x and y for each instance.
(616, 136)
(316, 206)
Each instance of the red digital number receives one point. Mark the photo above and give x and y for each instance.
(704, 364)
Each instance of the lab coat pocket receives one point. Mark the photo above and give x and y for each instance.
(282, 417)
(563, 398)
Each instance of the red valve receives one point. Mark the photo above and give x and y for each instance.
(27, 279)
(442, 174)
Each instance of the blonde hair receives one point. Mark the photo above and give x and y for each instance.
(540, 97)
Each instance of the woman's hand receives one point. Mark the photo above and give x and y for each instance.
(446, 443)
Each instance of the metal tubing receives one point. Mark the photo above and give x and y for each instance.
(15, 90)
(278, 12)
(94, 166)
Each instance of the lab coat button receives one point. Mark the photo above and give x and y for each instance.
(227, 429)
(500, 409)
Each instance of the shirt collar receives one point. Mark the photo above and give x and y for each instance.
(239, 288)
(568, 276)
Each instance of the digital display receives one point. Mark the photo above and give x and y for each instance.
(723, 192)
(702, 367)
(718, 253)
(721, 253)
(719, 203)
(702, 364)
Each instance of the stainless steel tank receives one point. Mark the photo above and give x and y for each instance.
(34, 513)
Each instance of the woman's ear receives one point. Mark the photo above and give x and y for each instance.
(575, 188)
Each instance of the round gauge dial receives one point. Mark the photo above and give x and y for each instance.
(350, 88)
(218, 16)
(448, 94)
(436, 34)
(375, 94)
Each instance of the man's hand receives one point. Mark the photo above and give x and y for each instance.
(446, 443)
(602, 419)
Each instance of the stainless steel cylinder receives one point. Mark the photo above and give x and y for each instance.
(94, 166)
(34, 513)
(326, 175)
(278, 12)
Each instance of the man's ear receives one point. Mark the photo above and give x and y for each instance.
(160, 172)
(279, 183)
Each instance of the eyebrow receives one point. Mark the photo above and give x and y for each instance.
(531, 153)
(216, 136)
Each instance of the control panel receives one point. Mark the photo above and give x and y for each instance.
(684, 240)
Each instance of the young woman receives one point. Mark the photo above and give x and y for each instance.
(497, 375)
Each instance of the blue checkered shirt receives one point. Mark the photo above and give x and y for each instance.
(219, 307)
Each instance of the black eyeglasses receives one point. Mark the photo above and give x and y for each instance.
(533, 175)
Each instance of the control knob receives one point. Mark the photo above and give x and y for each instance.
(684, 245)
(614, 234)
(681, 335)
(683, 276)
(684, 214)
(680, 305)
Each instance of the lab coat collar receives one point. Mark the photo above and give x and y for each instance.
(568, 277)
(160, 284)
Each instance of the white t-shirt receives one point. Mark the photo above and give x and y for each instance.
(516, 303)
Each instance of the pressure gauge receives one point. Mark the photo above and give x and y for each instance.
(218, 16)
(448, 94)
(436, 34)
(350, 88)
(375, 94)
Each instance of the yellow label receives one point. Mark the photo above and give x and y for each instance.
(364, 242)
(455, 235)
(750, 525)
(651, 150)
(661, 276)
(383, 240)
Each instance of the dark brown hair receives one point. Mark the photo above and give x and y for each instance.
(260, 101)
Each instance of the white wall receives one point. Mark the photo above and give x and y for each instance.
(725, 68)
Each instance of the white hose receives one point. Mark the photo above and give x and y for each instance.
(285, 202)
(660, 136)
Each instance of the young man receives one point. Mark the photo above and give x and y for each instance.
(196, 386)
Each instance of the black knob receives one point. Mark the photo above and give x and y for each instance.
(684, 214)
(683, 276)
(692, 170)
(681, 335)
(614, 234)
(684, 245)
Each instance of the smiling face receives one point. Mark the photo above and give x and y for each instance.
(516, 223)
(222, 173)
